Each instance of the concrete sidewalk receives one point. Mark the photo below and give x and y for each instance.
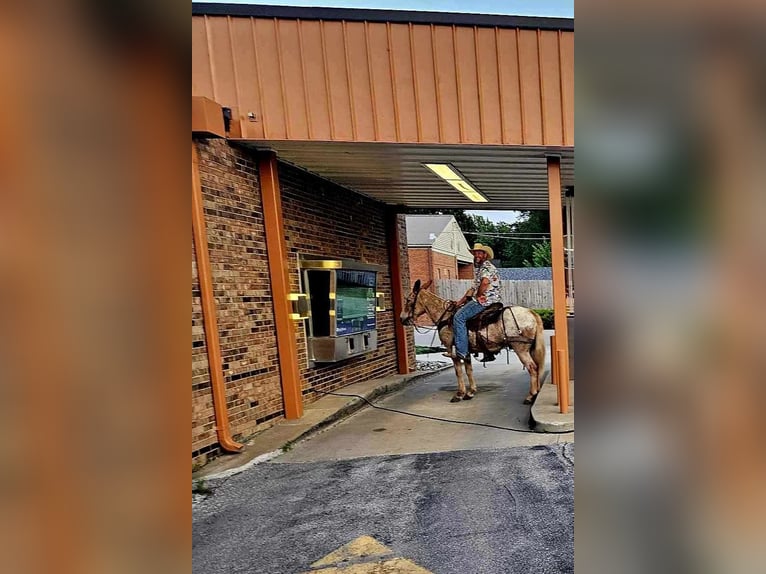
(271, 442)
(545, 412)
(329, 409)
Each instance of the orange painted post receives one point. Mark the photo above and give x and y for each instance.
(397, 294)
(210, 323)
(559, 277)
(280, 284)
(554, 369)
(564, 384)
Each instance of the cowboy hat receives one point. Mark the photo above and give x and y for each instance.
(485, 248)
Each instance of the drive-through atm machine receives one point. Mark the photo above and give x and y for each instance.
(343, 302)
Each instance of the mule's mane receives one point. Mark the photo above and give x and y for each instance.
(430, 301)
(432, 295)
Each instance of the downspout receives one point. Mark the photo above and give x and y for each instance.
(431, 263)
(209, 313)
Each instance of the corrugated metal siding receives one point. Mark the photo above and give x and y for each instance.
(389, 82)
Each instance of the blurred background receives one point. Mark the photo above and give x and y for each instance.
(670, 179)
(94, 240)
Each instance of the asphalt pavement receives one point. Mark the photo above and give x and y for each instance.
(382, 492)
(507, 510)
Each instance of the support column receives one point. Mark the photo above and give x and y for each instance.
(559, 281)
(568, 205)
(280, 284)
(397, 293)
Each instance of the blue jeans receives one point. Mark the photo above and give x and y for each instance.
(470, 309)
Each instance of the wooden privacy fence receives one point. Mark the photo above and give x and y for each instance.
(532, 294)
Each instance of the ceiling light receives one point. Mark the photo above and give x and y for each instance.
(443, 170)
(448, 174)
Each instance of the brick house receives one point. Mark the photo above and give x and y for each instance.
(437, 248)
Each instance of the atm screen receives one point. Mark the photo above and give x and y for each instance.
(354, 301)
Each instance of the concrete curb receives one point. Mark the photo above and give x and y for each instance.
(256, 453)
(545, 413)
(231, 472)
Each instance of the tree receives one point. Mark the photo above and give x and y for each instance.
(513, 243)
(531, 225)
(541, 255)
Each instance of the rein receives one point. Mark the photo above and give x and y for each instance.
(448, 308)
(411, 317)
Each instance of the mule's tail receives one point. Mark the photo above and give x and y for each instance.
(538, 347)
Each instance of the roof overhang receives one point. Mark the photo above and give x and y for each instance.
(511, 177)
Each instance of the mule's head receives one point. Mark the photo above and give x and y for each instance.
(414, 306)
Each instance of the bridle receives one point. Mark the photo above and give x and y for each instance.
(439, 322)
(411, 312)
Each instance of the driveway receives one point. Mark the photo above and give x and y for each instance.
(508, 510)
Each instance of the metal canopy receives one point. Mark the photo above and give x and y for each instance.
(511, 177)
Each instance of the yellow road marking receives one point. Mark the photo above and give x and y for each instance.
(352, 558)
(358, 548)
(391, 566)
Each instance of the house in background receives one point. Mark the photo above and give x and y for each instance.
(437, 248)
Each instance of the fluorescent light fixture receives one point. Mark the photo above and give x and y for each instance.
(448, 174)
(443, 170)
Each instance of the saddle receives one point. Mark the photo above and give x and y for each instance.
(486, 317)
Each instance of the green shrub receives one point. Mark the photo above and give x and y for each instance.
(423, 350)
(200, 487)
(547, 316)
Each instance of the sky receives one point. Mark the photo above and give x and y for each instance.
(552, 8)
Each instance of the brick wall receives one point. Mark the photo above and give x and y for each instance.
(326, 220)
(232, 204)
(443, 266)
(320, 218)
(465, 271)
(203, 421)
(420, 264)
(426, 264)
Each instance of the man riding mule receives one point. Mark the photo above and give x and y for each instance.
(519, 328)
(486, 292)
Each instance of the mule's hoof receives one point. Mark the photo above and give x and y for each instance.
(455, 399)
(531, 399)
(468, 397)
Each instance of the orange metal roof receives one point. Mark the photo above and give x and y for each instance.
(365, 97)
(371, 81)
(377, 15)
